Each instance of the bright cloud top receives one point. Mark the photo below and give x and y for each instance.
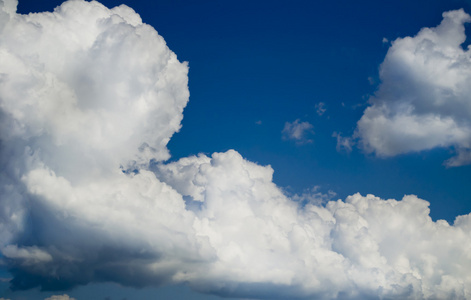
(89, 95)
(424, 100)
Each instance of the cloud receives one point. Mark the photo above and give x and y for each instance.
(87, 195)
(297, 131)
(424, 101)
(55, 297)
(88, 95)
(363, 246)
(60, 297)
(320, 108)
(27, 255)
(343, 143)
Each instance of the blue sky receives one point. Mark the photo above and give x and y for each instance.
(258, 67)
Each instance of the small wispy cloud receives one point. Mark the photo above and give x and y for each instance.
(343, 143)
(371, 80)
(320, 108)
(314, 196)
(297, 131)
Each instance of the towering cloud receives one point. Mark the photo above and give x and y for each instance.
(90, 97)
(424, 100)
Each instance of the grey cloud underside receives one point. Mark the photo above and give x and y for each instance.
(424, 100)
(80, 202)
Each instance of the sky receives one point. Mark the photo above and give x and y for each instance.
(247, 150)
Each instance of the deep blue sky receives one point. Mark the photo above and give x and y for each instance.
(273, 61)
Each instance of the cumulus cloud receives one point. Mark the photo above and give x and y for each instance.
(424, 100)
(359, 248)
(297, 131)
(90, 97)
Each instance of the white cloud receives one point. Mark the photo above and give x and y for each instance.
(297, 131)
(424, 100)
(364, 246)
(26, 255)
(80, 202)
(88, 95)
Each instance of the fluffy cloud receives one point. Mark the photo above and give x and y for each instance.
(297, 131)
(359, 248)
(88, 96)
(424, 100)
(89, 99)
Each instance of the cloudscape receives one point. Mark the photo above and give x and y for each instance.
(423, 101)
(91, 98)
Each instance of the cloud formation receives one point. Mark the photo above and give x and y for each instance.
(60, 297)
(359, 248)
(320, 108)
(343, 143)
(297, 131)
(55, 297)
(424, 100)
(90, 97)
